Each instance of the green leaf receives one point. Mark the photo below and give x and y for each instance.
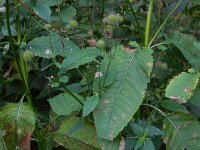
(110, 145)
(134, 44)
(76, 134)
(90, 104)
(79, 58)
(51, 2)
(173, 106)
(64, 104)
(180, 88)
(67, 14)
(51, 46)
(195, 99)
(188, 46)
(120, 101)
(187, 136)
(42, 10)
(18, 121)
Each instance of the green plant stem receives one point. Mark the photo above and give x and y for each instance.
(164, 22)
(74, 96)
(134, 15)
(22, 66)
(148, 24)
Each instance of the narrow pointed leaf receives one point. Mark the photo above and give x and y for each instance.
(90, 104)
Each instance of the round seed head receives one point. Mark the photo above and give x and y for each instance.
(101, 44)
(27, 55)
(113, 19)
(73, 24)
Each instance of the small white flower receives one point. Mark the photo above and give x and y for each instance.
(2, 9)
(98, 74)
(48, 52)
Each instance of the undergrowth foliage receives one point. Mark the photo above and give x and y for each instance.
(99, 74)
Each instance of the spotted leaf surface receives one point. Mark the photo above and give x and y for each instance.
(181, 87)
(120, 101)
(185, 136)
(51, 46)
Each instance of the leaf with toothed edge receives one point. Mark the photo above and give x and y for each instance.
(181, 87)
(120, 101)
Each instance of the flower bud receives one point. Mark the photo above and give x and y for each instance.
(27, 55)
(101, 44)
(73, 24)
(90, 33)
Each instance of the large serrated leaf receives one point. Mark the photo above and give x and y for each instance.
(81, 57)
(180, 88)
(187, 136)
(51, 46)
(18, 121)
(123, 97)
(64, 104)
(188, 46)
(76, 134)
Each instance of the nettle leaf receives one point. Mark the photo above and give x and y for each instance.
(76, 134)
(187, 136)
(42, 10)
(79, 58)
(188, 46)
(180, 88)
(64, 104)
(18, 121)
(90, 104)
(51, 46)
(120, 101)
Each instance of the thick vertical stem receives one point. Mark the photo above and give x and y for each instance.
(148, 24)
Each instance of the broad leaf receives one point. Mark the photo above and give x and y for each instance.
(90, 104)
(110, 145)
(187, 136)
(18, 121)
(76, 134)
(42, 10)
(51, 46)
(180, 88)
(51, 2)
(194, 103)
(64, 104)
(120, 101)
(67, 14)
(81, 57)
(188, 46)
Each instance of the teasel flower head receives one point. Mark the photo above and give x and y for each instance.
(113, 19)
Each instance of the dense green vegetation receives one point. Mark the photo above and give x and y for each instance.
(99, 74)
